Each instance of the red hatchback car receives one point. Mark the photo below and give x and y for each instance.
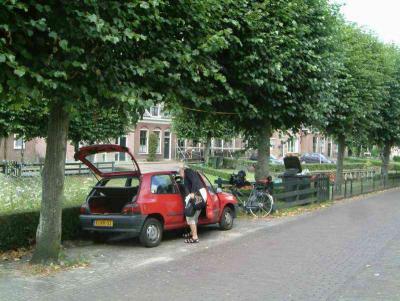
(125, 200)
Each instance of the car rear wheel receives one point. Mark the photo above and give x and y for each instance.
(151, 234)
(226, 222)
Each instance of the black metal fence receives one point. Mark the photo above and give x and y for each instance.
(17, 169)
(362, 185)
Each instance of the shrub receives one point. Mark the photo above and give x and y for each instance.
(19, 229)
(153, 143)
(396, 158)
(230, 163)
(214, 172)
(394, 166)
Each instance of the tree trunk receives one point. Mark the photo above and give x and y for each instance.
(339, 164)
(5, 148)
(48, 234)
(207, 149)
(76, 147)
(385, 161)
(1, 142)
(358, 151)
(263, 149)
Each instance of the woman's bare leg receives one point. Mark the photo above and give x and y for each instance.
(193, 231)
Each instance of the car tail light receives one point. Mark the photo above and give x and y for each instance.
(131, 208)
(84, 209)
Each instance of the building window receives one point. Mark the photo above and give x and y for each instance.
(19, 142)
(155, 111)
(144, 140)
(314, 144)
(217, 143)
(322, 146)
(330, 149)
(158, 134)
(228, 143)
(291, 145)
(272, 143)
(121, 156)
(181, 143)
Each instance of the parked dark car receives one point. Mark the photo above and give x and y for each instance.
(272, 159)
(314, 158)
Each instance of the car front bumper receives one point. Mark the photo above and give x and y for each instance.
(121, 223)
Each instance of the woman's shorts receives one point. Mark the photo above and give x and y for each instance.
(193, 220)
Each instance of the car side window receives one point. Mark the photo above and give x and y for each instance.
(210, 188)
(162, 184)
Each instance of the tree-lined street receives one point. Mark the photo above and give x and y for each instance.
(86, 71)
(348, 251)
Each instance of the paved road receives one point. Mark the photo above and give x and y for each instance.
(350, 251)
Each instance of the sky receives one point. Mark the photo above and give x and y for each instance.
(381, 16)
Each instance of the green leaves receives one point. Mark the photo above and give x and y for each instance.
(64, 44)
(20, 71)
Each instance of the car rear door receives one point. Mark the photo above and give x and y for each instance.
(108, 152)
(169, 199)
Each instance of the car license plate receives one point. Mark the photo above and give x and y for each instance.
(103, 223)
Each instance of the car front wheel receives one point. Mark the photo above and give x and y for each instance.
(151, 233)
(226, 222)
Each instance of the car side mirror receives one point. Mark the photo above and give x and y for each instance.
(219, 190)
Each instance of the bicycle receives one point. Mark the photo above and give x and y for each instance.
(260, 202)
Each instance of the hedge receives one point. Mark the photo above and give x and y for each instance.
(230, 163)
(235, 164)
(396, 158)
(361, 160)
(211, 171)
(19, 229)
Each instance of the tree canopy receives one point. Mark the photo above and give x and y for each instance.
(277, 65)
(353, 110)
(70, 60)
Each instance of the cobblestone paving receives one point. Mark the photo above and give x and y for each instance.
(349, 251)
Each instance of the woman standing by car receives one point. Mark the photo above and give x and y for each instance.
(193, 186)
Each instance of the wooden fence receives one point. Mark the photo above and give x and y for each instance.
(320, 188)
(295, 191)
(16, 169)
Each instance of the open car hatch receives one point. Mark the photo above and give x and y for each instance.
(108, 160)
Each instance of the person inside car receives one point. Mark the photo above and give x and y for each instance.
(193, 186)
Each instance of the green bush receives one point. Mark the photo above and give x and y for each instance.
(19, 229)
(354, 160)
(230, 163)
(153, 143)
(214, 172)
(367, 161)
(396, 158)
(394, 166)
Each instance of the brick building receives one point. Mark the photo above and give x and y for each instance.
(155, 120)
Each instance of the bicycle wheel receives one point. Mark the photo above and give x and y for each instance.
(260, 204)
